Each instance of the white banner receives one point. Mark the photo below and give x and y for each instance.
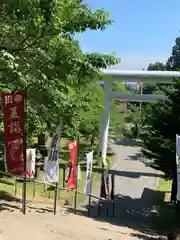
(178, 165)
(52, 162)
(87, 186)
(177, 145)
(30, 162)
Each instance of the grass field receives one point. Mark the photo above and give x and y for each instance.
(37, 190)
(168, 219)
(164, 186)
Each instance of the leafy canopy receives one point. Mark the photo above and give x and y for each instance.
(39, 54)
(162, 123)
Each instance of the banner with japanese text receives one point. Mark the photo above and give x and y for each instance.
(52, 162)
(73, 151)
(14, 139)
(87, 186)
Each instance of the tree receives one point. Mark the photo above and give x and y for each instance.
(157, 66)
(150, 88)
(162, 123)
(90, 115)
(159, 135)
(39, 54)
(173, 62)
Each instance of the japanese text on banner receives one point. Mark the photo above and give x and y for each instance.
(14, 139)
(52, 163)
(87, 186)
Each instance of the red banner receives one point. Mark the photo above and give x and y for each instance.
(13, 110)
(73, 147)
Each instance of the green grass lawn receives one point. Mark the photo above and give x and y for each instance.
(168, 219)
(165, 187)
(39, 191)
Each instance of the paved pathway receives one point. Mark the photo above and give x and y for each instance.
(135, 186)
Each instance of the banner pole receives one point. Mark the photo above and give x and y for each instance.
(89, 202)
(24, 153)
(107, 188)
(15, 187)
(75, 197)
(99, 205)
(55, 197)
(34, 188)
(113, 208)
(64, 176)
(59, 189)
(112, 193)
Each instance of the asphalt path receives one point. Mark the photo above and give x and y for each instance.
(135, 192)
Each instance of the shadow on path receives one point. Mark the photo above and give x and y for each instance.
(10, 203)
(128, 174)
(134, 174)
(127, 142)
(7, 200)
(132, 213)
(136, 156)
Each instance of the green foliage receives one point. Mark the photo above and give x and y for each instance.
(157, 66)
(159, 135)
(150, 88)
(162, 123)
(39, 55)
(117, 122)
(173, 62)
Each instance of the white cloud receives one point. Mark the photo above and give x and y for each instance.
(138, 62)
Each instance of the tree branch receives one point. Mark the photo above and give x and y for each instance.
(20, 48)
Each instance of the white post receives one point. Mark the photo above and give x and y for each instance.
(178, 165)
(104, 127)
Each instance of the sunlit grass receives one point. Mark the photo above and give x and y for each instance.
(37, 190)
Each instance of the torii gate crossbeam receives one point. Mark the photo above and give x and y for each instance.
(127, 76)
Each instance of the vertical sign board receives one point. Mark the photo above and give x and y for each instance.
(14, 139)
(52, 164)
(87, 186)
(73, 147)
(178, 165)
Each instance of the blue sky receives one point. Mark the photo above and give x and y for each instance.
(144, 31)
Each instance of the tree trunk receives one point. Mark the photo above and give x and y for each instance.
(93, 137)
(92, 140)
(42, 139)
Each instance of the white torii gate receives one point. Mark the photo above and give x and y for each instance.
(127, 76)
